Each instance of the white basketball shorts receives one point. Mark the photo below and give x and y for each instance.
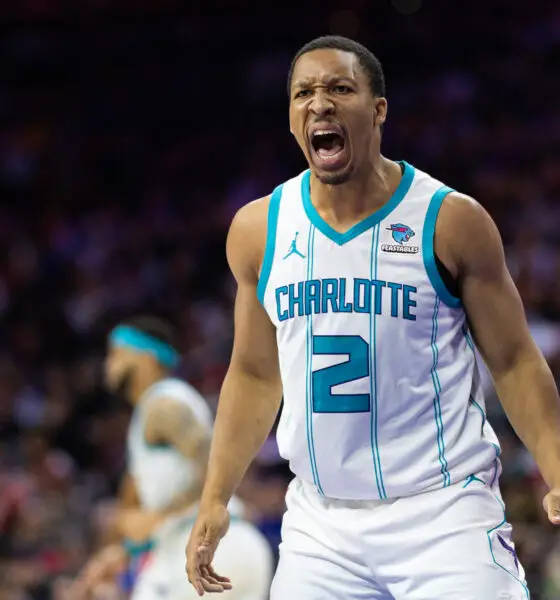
(449, 544)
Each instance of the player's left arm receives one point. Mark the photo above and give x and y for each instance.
(170, 422)
(471, 247)
(173, 423)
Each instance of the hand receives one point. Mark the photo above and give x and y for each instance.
(551, 505)
(210, 527)
(103, 567)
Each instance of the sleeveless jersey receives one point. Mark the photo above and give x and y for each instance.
(381, 390)
(161, 473)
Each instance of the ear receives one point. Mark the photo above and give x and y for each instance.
(380, 111)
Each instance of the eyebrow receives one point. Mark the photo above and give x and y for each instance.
(330, 81)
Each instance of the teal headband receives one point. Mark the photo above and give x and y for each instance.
(130, 337)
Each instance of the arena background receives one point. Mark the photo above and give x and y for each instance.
(130, 134)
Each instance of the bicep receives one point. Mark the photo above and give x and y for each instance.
(171, 421)
(255, 351)
(491, 300)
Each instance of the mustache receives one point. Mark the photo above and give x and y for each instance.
(122, 390)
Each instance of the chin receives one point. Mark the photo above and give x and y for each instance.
(335, 177)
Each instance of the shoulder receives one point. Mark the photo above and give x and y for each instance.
(466, 233)
(457, 206)
(172, 391)
(246, 239)
(174, 398)
(173, 387)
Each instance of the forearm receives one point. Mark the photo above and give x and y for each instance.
(113, 532)
(530, 398)
(139, 524)
(246, 412)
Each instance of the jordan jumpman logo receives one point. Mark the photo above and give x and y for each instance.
(293, 248)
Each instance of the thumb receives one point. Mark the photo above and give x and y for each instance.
(208, 545)
(552, 506)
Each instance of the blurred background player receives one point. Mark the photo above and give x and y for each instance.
(167, 446)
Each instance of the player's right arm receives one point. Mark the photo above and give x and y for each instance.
(111, 559)
(249, 399)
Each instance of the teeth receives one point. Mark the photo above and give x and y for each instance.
(324, 132)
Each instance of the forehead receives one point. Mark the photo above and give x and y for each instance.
(119, 350)
(325, 64)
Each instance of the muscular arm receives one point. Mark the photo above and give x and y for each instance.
(252, 389)
(469, 243)
(172, 422)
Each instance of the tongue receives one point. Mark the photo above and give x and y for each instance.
(327, 152)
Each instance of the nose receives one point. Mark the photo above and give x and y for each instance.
(321, 105)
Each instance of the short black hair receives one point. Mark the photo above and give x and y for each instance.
(157, 327)
(368, 61)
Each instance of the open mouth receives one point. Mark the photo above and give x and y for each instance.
(329, 148)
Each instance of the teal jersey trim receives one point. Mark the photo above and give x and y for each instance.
(468, 337)
(273, 210)
(135, 549)
(504, 521)
(471, 479)
(309, 369)
(473, 401)
(365, 224)
(437, 402)
(428, 248)
(373, 377)
(159, 446)
(483, 414)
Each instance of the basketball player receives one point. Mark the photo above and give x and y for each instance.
(367, 331)
(168, 443)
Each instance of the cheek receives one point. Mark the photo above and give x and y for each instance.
(114, 368)
(297, 126)
(300, 139)
(363, 131)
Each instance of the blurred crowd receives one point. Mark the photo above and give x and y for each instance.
(127, 144)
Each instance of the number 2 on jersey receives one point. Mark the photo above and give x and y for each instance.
(356, 367)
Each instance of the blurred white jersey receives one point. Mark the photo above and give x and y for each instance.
(244, 555)
(381, 389)
(161, 473)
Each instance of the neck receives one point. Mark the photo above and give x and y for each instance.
(145, 378)
(362, 195)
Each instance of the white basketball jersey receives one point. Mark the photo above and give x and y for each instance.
(161, 473)
(381, 390)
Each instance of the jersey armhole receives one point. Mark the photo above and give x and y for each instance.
(273, 210)
(428, 249)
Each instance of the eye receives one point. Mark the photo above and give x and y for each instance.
(302, 93)
(342, 89)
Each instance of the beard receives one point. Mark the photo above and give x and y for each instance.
(122, 387)
(337, 178)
